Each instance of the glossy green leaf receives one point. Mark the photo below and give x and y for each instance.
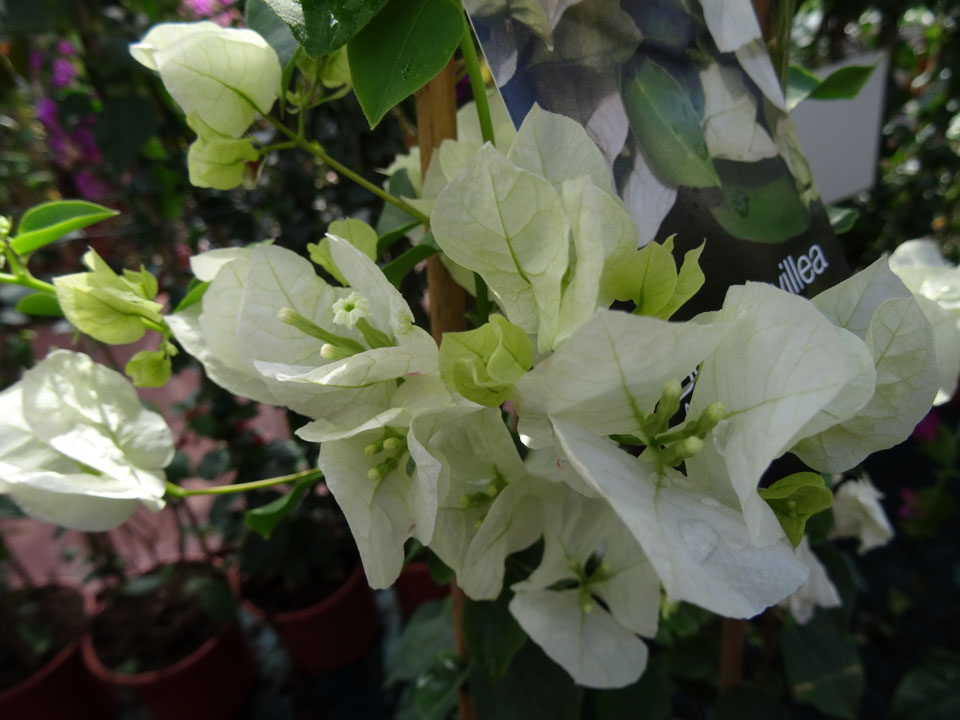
(794, 499)
(823, 669)
(40, 304)
(264, 519)
(435, 691)
(322, 26)
(400, 50)
(43, 224)
(396, 270)
(492, 635)
(427, 635)
(667, 127)
(193, 296)
(263, 20)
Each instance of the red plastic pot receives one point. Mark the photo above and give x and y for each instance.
(63, 688)
(212, 683)
(337, 631)
(415, 586)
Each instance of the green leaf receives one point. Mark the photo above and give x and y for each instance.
(650, 698)
(427, 635)
(931, 692)
(214, 463)
(689, 281)
(842, 219)
(435, 691)
(214, 595)
(667, 127)
(400, 50)
(264, 519)
(322, 26)
(43, 224)
(794, 499)
(124, 125)
(484, 364)
(40, 304)
(534, 688)
(823, 669)
(263, 20)
(493, 637)
(396, 270)
(842, 84)
(193, 296)
(149, 368)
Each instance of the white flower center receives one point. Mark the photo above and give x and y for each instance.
(349, 310)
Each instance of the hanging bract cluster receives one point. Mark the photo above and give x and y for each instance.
(638, 481)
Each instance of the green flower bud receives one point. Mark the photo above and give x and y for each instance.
(291, 317)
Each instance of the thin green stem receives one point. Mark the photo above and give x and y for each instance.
(28, 281)
(318, 152)
(277, 146)
(181, 492)
(472, 62)
(158, 327)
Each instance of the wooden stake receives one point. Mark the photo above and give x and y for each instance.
(437, 121)
(731, 653)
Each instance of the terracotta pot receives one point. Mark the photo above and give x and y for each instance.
(415, 586)
(63, 688)
(212, 683)
(337, 631)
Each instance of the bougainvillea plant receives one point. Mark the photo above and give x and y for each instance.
(566, 414)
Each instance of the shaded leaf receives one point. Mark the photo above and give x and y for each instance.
(264, 519)
(492, 635)
(823, 669)
(322, 26)
(40, 304)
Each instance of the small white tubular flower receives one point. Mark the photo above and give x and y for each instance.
(76, 446)
(817, 591)
(857, 512)
(351, 309)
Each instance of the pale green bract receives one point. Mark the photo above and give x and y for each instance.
(224, 75)
(876, 307)
(77, 448)
(215, 160)
(106, 306)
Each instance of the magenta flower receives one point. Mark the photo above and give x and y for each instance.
(63, 72)
(66, 48)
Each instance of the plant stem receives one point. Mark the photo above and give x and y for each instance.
(277, 146)
(28, 281)
(318, 152)
(181, 492)
(472, 62)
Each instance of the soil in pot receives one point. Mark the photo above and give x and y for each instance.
(155, 620)
(171, 636)
(41, 673)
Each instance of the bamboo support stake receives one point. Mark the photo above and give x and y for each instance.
(437, 121)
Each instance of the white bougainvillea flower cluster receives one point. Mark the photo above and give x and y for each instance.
(77, 448)
(223, 78)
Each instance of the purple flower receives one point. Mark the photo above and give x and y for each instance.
(926, 429)
(201, 8)
(36, 61)
(89, 186)
(47, 113)
(82, 137)
(65, 47)
(63, 72)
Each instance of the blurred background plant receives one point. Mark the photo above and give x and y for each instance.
(80, 119)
